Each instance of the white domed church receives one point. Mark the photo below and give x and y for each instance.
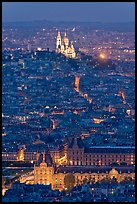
(64, 46)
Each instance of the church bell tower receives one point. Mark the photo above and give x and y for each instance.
(58, 42)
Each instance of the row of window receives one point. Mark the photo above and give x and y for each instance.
(43, 171)
(93, 163)
(30, 155)
(6, 155)
(9, 158)
(98, 155)
(77, 159)
(92, 177)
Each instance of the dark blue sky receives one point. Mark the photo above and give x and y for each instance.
(69, 11)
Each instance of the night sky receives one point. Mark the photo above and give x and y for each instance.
(69, 11)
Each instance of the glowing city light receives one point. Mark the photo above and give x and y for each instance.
(102, 56)
(39, 48)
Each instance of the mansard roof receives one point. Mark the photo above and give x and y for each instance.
(76, 142)
(107, 149)
(44, 158)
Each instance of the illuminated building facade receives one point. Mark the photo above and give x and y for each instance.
(10, 156)
(77, 80)
(20, 155)
(59, 155)
(64, 46)
(93, 164)
(78, 155)
(45, 172)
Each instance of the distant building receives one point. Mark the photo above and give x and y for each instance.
(9, 156)
(64, 46)
(75, 154)
(45, 172)
(92, 164)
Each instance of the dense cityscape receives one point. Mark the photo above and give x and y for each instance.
(68, 112)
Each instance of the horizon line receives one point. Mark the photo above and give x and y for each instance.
(66, 21)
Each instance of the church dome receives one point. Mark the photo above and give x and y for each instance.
(113, 172)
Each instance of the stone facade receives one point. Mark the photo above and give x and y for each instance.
(64, 46)
(83, 164)
(49, 174)
(78, 155)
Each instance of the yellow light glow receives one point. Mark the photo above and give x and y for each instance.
(102, 56)
(97, 121)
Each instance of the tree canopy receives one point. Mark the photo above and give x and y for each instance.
(69, 181)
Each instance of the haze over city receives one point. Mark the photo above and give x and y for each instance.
(69, 11)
